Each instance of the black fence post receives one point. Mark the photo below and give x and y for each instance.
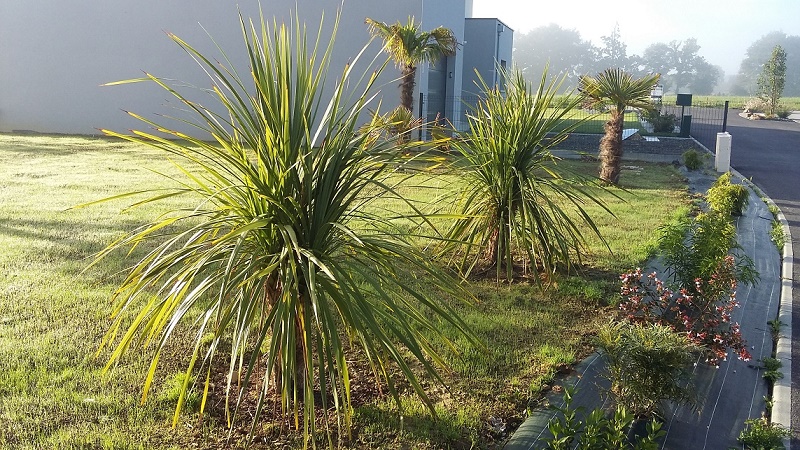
(725, 118)
(421, 102)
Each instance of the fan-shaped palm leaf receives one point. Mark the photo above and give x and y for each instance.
(409, 47)
(617, 90)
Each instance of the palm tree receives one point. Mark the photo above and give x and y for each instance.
(409, 47)
(518, 204)
(280, 264)
(616, 90)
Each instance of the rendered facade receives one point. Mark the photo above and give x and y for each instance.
(56, 54)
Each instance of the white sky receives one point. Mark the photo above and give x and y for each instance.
(724, 28)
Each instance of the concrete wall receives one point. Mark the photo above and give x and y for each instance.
(489, 42)
(505, 45)
(448, 14)
(56, 54)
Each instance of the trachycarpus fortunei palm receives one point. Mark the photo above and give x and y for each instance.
(616, 90)
(410, 47)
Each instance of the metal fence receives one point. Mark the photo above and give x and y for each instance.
(702, 119)
(448, 111)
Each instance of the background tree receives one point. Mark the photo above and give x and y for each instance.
(708, 78)
(773, 79)
(760, 51)
(680, 66)
(614, 53)
(616, 90)
(409, 47)
(561, 50)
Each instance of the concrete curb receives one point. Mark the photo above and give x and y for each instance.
(782, 388)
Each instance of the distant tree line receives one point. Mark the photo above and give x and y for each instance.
(758, 54)
(682, 69)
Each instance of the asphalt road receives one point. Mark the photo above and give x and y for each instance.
(768, 153)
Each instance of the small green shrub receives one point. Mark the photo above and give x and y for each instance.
(783, 113)
(762, 435)
(599, 430)
(693, 160)
(772, 369)
(694, 248)
(775, 328)
(647, 365)
(777, 235)
(726, 197)
(662, 123)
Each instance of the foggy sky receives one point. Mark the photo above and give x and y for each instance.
(724, 29)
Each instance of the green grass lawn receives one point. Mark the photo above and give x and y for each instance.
(593, 122)
(53, 314)
(738, 102)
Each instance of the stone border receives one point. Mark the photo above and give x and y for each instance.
(782, 388)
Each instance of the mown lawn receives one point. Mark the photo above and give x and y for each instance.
(738, 102)
(53, 313)
(593, 122)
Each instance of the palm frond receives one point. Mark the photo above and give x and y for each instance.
(619, 89)
(409, 47)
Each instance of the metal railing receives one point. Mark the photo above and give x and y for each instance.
(700, 119)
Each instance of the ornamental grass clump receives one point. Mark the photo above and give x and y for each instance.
(280, 266)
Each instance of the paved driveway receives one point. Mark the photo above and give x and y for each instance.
(768, 152)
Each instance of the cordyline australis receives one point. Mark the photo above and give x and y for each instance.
(702, 311)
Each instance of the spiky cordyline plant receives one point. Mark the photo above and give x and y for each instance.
(279, 255)
(514, 206)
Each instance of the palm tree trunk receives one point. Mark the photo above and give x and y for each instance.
(407, 83)
(611, 149)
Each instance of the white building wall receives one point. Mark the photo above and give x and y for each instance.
(56, 54)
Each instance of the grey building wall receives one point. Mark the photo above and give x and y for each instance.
(488, 44)
(56, 54)
(442, 81)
